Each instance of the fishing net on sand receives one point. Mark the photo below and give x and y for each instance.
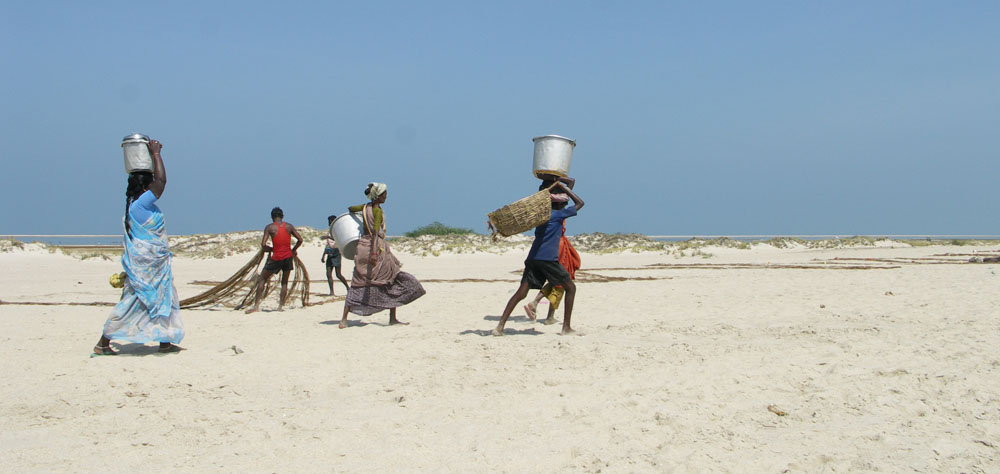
(237, 291)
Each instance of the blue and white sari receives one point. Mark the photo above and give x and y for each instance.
(149, 310)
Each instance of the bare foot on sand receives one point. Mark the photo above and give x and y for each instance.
(342, 325)
(497, 332)
(569, 332)
(396, 321)
(550, 321)
(251, 311)
(530, 309)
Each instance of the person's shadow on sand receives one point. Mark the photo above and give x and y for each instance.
(506, 332)
(350, 323)
(511, 318)
(138, 350)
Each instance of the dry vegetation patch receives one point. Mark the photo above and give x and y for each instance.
(458, 243)
(8, 245)
(232, 243)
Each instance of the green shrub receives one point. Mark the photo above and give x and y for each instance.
(437, 228)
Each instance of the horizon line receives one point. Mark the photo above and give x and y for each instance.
(652, 236)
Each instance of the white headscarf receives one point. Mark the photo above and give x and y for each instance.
(376, 190)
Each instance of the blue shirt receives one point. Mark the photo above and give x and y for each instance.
(143, 207)
(546, 244)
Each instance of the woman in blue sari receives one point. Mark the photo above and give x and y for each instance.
(149, 309)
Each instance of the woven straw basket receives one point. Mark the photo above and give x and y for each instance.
(524, 214)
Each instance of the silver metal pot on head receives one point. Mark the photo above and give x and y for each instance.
(553, 155)
(137, 157)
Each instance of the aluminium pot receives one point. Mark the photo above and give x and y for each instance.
(552, 155)
(347, 230)
(137, 157)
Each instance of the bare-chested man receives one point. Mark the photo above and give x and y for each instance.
(282, 256)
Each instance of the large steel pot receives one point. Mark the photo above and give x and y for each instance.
(347, 229)
(552, 155)
(137, 157)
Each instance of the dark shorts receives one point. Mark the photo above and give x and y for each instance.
(275, 266)
(537, 272)
(333, 261)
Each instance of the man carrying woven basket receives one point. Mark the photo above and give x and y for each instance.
(542, 264)
(568, 257)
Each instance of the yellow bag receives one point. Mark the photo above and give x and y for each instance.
(117, 280)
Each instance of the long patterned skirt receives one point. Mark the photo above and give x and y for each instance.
(371, 299)
(130, 320)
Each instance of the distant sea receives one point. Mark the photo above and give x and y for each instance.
(756, 238)
(68, 240)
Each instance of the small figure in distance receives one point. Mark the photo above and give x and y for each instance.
(331, 255)
(542, 264)
(281, 258)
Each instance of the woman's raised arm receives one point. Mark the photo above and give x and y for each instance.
(159, 172)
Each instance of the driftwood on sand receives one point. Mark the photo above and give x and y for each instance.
(244, 283)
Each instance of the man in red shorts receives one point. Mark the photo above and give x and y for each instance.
(281, 258)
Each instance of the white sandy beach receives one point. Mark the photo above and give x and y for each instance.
(892, 366)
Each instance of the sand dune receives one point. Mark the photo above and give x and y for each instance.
(881, 358)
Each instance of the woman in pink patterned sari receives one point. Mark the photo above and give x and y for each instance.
(378, 284)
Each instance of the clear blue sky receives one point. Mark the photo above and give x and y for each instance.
(852, 117)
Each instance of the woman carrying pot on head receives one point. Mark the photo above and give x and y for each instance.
(149, 309)
(377, 284)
